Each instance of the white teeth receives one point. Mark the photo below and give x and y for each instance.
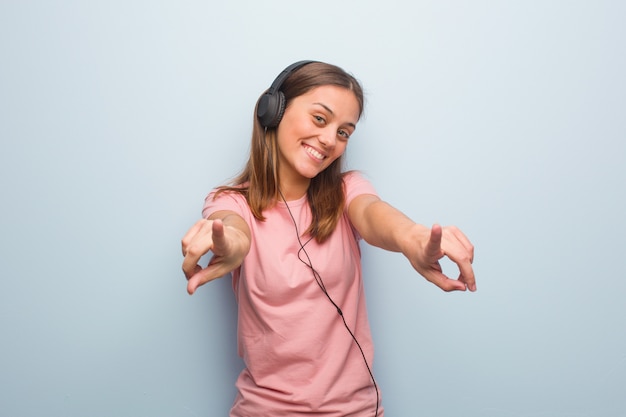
(314, 153)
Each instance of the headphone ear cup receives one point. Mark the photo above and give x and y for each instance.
(280, 109)
(271, 109)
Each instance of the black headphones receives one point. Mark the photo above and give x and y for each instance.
(271, 105)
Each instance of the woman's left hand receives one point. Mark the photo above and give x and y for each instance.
(444, 241)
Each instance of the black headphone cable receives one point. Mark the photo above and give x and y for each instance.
(320, 283)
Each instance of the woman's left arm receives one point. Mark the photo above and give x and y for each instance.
(384, 226)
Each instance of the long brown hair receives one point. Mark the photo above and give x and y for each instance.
(259, 181)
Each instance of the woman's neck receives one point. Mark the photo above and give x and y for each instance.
(294, 190)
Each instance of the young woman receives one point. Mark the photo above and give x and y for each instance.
(288, 228)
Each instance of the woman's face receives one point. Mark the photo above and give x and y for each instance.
(314, 132)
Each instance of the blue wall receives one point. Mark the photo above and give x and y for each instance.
(506, 118)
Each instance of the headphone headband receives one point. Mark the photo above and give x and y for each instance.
(271, 105)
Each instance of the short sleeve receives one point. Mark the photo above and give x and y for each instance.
(355, 185)
(226, 200)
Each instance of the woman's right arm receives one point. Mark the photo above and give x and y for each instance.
(227, 235)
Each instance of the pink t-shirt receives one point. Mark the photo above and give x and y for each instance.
(299, 357)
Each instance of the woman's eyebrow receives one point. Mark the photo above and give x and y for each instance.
(326, 107)
(332, 113)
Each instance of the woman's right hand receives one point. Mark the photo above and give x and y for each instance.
(226, 235)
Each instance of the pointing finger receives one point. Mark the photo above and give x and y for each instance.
(433, 247)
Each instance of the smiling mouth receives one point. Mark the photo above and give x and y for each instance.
(314, 153)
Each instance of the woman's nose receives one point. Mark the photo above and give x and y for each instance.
(327, 138)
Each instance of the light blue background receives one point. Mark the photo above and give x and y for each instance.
(506, 118)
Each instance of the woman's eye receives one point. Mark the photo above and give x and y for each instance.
(320, 119)
(343, 133)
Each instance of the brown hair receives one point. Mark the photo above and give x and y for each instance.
(259, 181)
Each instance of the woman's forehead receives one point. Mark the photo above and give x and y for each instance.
(337, 100)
